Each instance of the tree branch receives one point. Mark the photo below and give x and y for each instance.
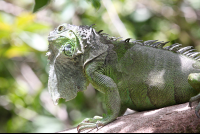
(178, 118)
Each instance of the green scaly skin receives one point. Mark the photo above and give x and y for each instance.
(140, 75)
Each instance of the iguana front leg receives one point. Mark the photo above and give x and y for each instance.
(194, 81)
(107, 86)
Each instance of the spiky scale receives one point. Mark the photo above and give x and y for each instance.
(171, 47)
(127, 40)
(196, 58)
(166, 48)
(91, 25)
(188, 52)
(149, 42)
(194, 54)
(174, 46)
(156, 44)
(162, 45)
(100, 31)
(139, 42)
(182, 50)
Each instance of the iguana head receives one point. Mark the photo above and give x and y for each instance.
(66, 76)
(70, 49)
(65, 40)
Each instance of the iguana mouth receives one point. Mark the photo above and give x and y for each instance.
(51, 38)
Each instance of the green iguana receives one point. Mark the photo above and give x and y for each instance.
(140, 75)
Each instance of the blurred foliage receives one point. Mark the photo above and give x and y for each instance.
(25, 104)
(39, 4)
(95, 3)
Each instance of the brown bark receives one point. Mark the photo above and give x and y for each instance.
(177, 118)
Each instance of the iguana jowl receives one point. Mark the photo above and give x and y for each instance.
(140, 75)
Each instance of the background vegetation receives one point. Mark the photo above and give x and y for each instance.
(25, 104)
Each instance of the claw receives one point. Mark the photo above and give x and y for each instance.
(78, 128)
(97, 126)
(90, 123)
(190, 104)
(197, 113)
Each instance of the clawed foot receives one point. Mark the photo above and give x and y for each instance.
(90, 123)
(197, 109)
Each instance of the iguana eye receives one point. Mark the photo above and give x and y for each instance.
(61, 28)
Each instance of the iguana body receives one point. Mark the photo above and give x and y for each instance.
(137, 75)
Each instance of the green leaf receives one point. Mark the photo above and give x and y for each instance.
(39, 4)
(96, 3)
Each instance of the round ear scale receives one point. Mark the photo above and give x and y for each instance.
(67, 50)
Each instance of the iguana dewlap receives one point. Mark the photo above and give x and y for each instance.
(140, 75)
